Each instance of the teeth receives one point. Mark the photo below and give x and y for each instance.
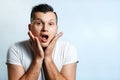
(45, 36)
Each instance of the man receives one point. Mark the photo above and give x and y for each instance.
(43, 57)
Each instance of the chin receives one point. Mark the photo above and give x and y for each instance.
(44, 45)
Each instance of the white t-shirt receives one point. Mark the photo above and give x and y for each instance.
(20, 54)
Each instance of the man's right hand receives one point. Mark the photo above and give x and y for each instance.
(36, 46)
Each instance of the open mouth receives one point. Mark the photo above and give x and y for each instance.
(44, 38)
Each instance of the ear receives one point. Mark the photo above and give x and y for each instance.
(29, 26)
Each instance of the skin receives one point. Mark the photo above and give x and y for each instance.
(44, 23)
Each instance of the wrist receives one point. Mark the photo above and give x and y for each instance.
(38, 60)
(47, 59)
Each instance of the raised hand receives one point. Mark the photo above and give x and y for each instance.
(36, 46)
(49, 49)
(37, 49)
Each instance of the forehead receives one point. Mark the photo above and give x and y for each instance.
(45, 16)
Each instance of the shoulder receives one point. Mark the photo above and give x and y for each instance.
(65, 45)
(16, 51)
(68, 51)
(20, 44)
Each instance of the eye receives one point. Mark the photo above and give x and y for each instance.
(51, 23)
(38, 23)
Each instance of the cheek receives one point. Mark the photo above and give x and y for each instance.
(53, 30)
(35, 31)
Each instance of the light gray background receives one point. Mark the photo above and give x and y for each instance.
(93, 26)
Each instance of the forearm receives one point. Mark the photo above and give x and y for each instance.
(33, 72)
(51, 70)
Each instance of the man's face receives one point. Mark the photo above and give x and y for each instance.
(44, 27)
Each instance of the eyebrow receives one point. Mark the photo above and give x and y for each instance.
(41, 20)
(52, 19)
(37, 19)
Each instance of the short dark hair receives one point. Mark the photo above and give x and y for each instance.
(42, 8)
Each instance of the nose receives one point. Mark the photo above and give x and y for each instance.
(44, 28)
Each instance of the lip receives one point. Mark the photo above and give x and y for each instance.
(44, 38)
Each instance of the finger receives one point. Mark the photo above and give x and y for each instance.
(32, 41)
(56, 38)
(38, 43)
(31, 45)
(58, 35)
(31, 35)
(39, 47)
